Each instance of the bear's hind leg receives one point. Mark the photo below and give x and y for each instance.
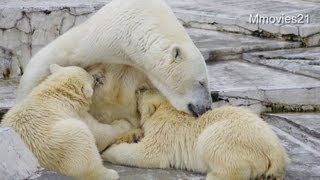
(74, 150)
(231, 171)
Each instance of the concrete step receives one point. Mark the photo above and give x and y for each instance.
(216, 45)
(299, 133)
(303, 126)
(27, 26)
(262, 88)
(234, 16)
(305, 61)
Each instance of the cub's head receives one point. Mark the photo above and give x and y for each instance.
(153, 106)
(73, 77)
(148, 102)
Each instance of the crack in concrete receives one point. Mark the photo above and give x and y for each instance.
(260, 32)
(284, 57)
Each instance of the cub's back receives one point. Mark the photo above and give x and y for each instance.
(241, 125)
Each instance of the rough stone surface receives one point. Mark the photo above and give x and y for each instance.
(132, 173)
(252, 83)
(16, 161)
(308, 122)
(304, 160)
(216, 45)
(304, 61)
(303, 145)
(7, 94)
(49, 175)
(233, 16)
(302, 126)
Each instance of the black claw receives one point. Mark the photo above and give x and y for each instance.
(135, 139)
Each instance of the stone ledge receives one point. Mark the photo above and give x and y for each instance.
(307, 122)
(304, 160)
(305, 61)
(234, 17)
(246, 84)
(16, 161)
(216, 45)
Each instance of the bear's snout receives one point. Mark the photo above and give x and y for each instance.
(197, 110)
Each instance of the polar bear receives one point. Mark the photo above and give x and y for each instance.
(228, 143)
(137, 42)
(50, 122)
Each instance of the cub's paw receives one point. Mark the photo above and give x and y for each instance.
(268, 177)
(133, 136)
(112, 175)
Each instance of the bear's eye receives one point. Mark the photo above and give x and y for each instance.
(177, 53)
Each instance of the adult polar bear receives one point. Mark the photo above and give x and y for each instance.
(143, 34)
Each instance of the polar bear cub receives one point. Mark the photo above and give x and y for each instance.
(48, 121)
(228, 143)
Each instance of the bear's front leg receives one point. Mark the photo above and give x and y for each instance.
(132, 136)
(132, 155)
(105, 134)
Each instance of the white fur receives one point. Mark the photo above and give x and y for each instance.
(144, 34)
(228, 143)
(53, 121)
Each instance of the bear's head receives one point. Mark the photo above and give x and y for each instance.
(181, 76)
(161, 48)
(152, 105)
(74, 77)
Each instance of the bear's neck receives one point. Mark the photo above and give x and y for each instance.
(66, 95)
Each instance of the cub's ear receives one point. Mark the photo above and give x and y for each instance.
(176, 52)
(54, 68)
(87, 91)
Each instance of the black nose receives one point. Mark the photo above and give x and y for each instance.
(215, 96)
(192, 109)
(197, 111)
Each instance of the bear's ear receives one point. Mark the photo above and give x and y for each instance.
(176, 52)
(87, 91)
(54, 68)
